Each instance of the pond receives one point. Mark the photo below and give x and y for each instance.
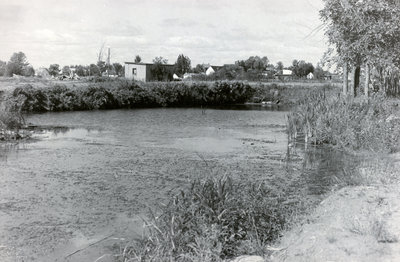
(91, 179)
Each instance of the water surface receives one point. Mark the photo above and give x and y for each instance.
(93, 178)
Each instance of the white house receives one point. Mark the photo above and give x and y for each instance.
(210, 71)
(310, 76)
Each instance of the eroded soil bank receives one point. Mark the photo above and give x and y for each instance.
(356, 223)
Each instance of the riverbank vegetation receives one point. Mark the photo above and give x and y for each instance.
(215, 218)
(106, 93)
(371, 124)
(11, 121)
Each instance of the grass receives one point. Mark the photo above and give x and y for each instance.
(214, 219)
(348, 123)
(11, 120)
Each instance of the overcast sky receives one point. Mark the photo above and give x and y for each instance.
(207, 31)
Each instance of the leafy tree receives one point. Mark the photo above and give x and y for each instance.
(364, 32)
(182, 65)
(229, 72)
(81, 70)
(17, 64)
(138, 59)
(54, 69)
(301, 68)
(319, 72)
(199, 69)
(158, 70)
(118, 68)
(102, 66)
(94, 70)
(279, 66)
(66, 70)
(29, 71)
(3, 68)
(254, 63)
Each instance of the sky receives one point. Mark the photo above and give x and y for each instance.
(207, 31)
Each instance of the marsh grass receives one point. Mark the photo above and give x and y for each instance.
(11, 120)
(214, 219)
(355, 124)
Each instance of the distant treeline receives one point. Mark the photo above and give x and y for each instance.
(127, 94)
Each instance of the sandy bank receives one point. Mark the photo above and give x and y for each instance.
(354, 224)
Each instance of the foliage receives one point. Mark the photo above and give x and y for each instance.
(3, 68)
(254, 63)
(54, 69)
(366, 32)
(159, 70)
(214, 219)
(301, 68)
(106, 93)
(138, 59)
(118, 68)
(66, 70)
(94, 70)
(182, 65)
(347, 123)
(17, 64)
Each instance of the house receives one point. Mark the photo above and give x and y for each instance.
(210, 69)
(285, 75)
(310, 76)
(143, 72)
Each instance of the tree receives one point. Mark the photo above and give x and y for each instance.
(229, 72)
(81, 70)
(182, 65)
(54, 69)
(3, 68)
(254, 63)
(94, 70)
(102, 66)
(279, 66)
(29, 71)
(17, 64)
(364, 32)
(158, 70)
(199, 69)
(66, 70)
(138, 59)
(118, 68)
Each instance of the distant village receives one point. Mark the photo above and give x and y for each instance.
(254, 68)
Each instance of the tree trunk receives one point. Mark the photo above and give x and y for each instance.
(355, 79)
(345, 79)
(352, 84)
(367, 73)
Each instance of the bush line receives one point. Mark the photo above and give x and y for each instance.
(128, 94)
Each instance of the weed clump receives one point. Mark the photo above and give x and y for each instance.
(214, 219)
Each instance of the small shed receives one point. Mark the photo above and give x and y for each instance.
(310, 75)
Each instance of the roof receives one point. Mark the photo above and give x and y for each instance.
(146, 64)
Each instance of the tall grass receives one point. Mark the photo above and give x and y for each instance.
(11, 119)
(357, 124)
(214, 219)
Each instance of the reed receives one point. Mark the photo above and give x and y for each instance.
(356, 124)
(212, 220)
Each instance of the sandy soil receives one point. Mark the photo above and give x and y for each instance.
(353, 224)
